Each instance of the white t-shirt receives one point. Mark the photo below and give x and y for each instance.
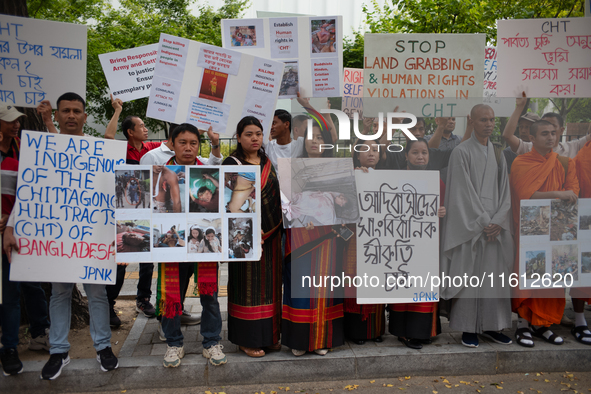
(568, 149)
(274, 151)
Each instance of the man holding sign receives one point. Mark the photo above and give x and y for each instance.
(71, 117)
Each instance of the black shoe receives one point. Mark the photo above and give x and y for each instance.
(144, 306)
(53, 367)
(114, 320)
(11, 364)
(107, 359)
(358, 341)
(378, 339)
(411, 343)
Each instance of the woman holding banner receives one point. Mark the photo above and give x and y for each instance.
(254, 287)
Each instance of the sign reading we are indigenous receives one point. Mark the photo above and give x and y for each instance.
(544, 57)
(429, 75)
(65, 209)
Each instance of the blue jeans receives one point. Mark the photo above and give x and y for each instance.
(10, 309)
(211, 324)
(60, 312)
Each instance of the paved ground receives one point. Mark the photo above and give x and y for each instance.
(141, 362)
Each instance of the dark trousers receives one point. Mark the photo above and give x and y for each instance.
(143, 286)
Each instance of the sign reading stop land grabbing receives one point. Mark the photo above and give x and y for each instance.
(129, 73)
(65, 209)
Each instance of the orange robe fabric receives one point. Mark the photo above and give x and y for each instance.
(583, 162)
(530, 173)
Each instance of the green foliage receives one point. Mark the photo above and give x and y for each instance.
(134, 23)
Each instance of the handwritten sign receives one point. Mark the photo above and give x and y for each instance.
(554, 244)
(65, 209)
(503, 106)
(425, 74)
(223, 78)
(398, 235)
(315, 43)
(545, 57)
(353, 92)
(129, 73)
(40, 60)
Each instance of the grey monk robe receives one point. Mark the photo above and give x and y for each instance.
(477, 194)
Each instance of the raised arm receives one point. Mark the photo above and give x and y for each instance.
(509, 132)
(305, 102)
(44, 110)
(112, 126)
(436, 138)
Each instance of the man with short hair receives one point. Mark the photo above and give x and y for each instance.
(540, 174)
(477, 234)
(443, 138)
(525, 121)
(71, 117)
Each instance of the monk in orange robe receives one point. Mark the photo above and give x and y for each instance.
(581, 295)
(539, 174)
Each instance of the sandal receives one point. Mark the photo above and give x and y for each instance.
(552, 339)
(579, 334)
(520, 336)
(274, 348)
(252, 352)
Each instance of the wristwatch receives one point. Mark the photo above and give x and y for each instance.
(215, 146)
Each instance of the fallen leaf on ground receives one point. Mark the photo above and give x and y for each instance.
(372, 381)
(448, 386)
(407, 377)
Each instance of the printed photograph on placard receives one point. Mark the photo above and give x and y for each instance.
(565, 260)
(239, 192)
(586, 263)
(290, 81)
(213, 85)
(564, 219)
(535, 220)
(240, 237)
(133, 236)
(535, 263)
(168, 233)
(585, 215)
(205, 236)
(323, 35)
(131, 189)
(168, 189)
(204, 190)
(244, 36)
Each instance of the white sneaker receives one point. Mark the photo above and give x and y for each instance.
(298, 353)
(215, 355)
(161, 332)
(321, 352)
(41, 342)
(173, 356)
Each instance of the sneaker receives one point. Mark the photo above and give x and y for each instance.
(53, 367)
(321, 352)
(41, 342)
(143, 305)
(470, 339)
(215, 355)
(11, 364)
(172, 358)
(161, 332)
(190, 320)
(497, 337)
(107, 359)
(298, 353)
(114, 320)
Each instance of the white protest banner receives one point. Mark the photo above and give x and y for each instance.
(398, 235)
(353, 92)
(129, 72)
(315, 43)
(428, 75)
(554, 244)
(65, 209)
(544, 57)
(502, 106)
(40, 60)
(184, 213)
(189, 74)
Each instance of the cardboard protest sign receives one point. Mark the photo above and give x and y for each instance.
(129, 72)
(353, 92)
(398, 236)
(554, 244)
(40, 60)
(544, 57)
(65, 209)
(503, 106)
(428, 75)
(178, 213)
(211, 86)
(311, 46)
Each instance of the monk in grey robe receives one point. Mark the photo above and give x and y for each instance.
(477, 244)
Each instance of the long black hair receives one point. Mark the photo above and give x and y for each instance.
(206, 241)
(326, 136)
(239, 152)
(356, 162)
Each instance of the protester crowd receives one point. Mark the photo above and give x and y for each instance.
(481, 188)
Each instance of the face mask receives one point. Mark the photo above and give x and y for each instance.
(413, 167)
